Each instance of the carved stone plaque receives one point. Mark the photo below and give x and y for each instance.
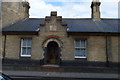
(52, 28)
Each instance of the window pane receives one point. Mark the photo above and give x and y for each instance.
(77, 52)
(29, 42)
(24, 41)
(82, 53)
(23, 50)
(77, 43)
(82, 43)
(29, 51)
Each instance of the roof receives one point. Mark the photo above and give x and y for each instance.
(90, 25)
(24, 25)
(73, 25)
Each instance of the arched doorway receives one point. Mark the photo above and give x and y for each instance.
(52, 53)
(52, 48)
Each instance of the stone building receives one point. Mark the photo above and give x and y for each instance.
(54, 40)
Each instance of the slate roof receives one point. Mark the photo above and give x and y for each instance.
(24, 25)
(90, 25)
(73, 25)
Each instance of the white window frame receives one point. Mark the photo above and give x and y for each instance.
(25, 47)
(80, 48)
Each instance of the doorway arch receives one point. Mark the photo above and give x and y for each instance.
(52, 51)
(52, 55)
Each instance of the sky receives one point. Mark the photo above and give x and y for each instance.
(72, 8)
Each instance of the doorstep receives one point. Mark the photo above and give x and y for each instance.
(50, 67)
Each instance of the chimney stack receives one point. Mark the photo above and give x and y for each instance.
(26, 7)
(95, 7)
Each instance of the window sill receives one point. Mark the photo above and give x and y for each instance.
(25, 55)
(80, 57)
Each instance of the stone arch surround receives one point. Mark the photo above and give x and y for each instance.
(45, 45)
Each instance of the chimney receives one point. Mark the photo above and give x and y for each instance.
(26, 8)
(95, 7)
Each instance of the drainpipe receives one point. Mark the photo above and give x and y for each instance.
(107, 60)
(4, 52)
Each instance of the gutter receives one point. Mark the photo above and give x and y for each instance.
(20, 32)
(107, 60)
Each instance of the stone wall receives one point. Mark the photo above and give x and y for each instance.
(12, 47)
(96, 47)
(14, 11)
(115, 49)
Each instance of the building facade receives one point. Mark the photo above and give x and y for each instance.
(54, 39)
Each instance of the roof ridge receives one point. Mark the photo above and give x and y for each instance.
(80, 18)
(77, 18)
(110, 18)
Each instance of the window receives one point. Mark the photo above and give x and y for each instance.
(26, 44)
(80, 48)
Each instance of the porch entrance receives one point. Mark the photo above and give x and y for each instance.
(52, 53)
